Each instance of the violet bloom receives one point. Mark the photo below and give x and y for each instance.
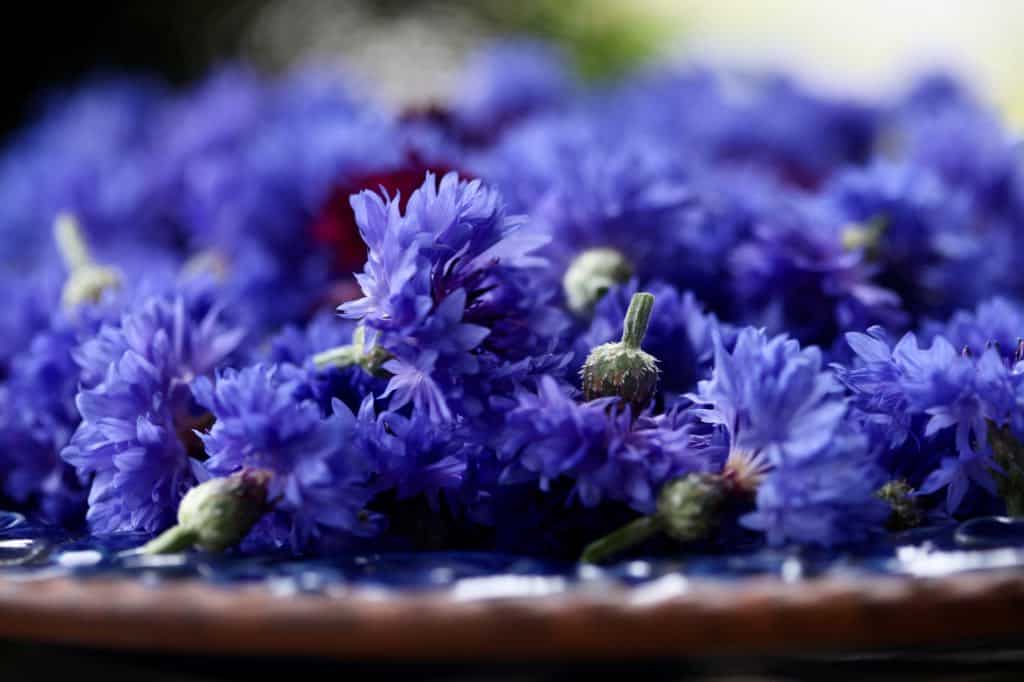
(138, 413)
(795, 275)
(940, 395)
(322, 480)
(606, 454)
(448, 293)
(791, 441)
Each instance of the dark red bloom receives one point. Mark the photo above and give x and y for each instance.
(335, 227)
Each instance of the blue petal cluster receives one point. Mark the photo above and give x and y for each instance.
(137, 411)
(791, 441)
(607, 453)
(942, 399)
(838, 303)
(447, 292)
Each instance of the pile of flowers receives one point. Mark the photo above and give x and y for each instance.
(271, 315)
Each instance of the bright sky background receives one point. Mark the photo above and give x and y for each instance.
(863, 45)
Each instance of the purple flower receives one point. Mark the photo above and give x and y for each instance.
(322, 479)
(939, 395)
(37, 417)
(828, 500)
(138, 413)
(922, 236)
(607, 455)
(297, 346)
(790, 440)
(416, 456)
(796, 276)
(447, 292)
(997, 322)
(590, 184)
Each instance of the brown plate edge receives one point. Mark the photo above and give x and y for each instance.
(670, 618)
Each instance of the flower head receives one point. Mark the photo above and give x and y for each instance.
(447, 291)
(138, 413)
(606, 453)
(939, 395)
(321, 479)
(790, 440)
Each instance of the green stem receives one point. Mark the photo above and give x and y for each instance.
(71, 243)
(174, 539)
(341, 356)
(630, 535)
(635, 325)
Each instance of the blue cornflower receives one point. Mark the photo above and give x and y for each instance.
(997, 322)
(606, 454)
(89, 154)
(790, 441)
(799, 138)
(588, 185)
(37, 417)
(828, 500)
(138, 413)
(939, 395)
(298, 346)
(322, 480)
(416, 456)
(447, 292)
(795, 275)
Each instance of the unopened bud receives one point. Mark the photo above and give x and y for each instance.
(87, 280)
(590, 276)
(216, 514)
(905, 512)
(622, 368)
(690, 507)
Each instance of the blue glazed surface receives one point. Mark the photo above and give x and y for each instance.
(31, 551)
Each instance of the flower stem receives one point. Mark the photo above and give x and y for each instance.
(637, 316)
(340, 356)
(630, 535)
(174, 539)
(70, 242)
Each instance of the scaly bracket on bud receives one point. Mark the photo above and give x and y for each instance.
(622, 368)
(905, 512)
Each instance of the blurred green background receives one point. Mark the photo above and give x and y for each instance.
(411, 50)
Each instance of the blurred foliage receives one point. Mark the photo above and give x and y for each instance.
(604, 37)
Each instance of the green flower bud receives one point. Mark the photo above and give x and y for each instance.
(216, 514)
(621, 368)
(86, 280)
(690, 507)
(590, 276)
(355, 353)
(900, 498)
